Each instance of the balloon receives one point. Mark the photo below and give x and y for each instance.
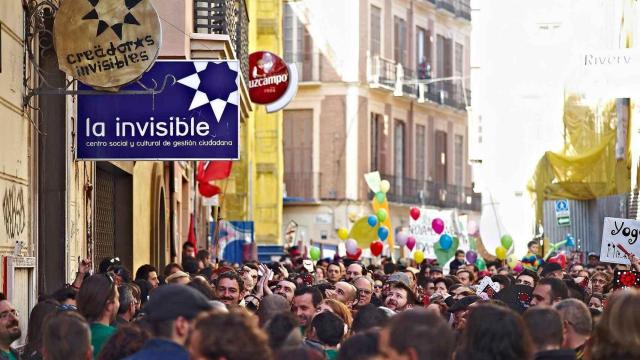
(372, 220)
(518, 267)
(380, 197)
(501, 253)
(418, 256)
(385, 186)
(443, 256)
(382, 215)
(437, 225)
(481, 264)
(401, 239)
(472, 227)
(208, 190)
(314, 253)
(472, 256)
(343, 234)
(446, 241)
(570, 241)
(383, 233)
(560, 259)
(351, 246)
(506, 241)
(512, 261)
(363, 233)
(415, 213)
(355, 255)
(411, 242)
(376, 248)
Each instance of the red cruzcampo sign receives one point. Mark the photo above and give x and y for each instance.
(272, 82)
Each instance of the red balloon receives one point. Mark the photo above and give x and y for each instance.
(560, 259)
(415, 213)
(376, 248)
(208, 190)
(356, 255)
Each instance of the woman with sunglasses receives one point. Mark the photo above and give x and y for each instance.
(98, 301)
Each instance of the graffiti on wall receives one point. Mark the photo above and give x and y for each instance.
(13, 211)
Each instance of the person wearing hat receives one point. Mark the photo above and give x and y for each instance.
(436, 272)
(551, 269)
(170, 313)
(400, 297)
(460, 310)
(178, 277)
(592, 260)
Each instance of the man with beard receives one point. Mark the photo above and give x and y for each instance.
(229, 288)
(286, 289)
(305, 302)
(400, 297)
(249, 274)
(98, 301)
(9, 329)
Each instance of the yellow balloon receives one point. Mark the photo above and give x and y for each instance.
(385, 186)
(512, 261)
(501, 253)
(343, 234)
(418, 256)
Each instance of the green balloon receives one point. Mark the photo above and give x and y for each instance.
(382, 215)
(380, 197)
(314, 253)
(481, 264)
(506, 241)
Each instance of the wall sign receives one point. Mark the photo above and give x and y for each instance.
(106, 43)
(272, 82)
(619, 236)
(195, 119)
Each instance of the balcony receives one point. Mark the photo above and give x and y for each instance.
(463, 10)
(299, 186)
(385, 74)
(227, 17)
(446, 5)
(424, 192)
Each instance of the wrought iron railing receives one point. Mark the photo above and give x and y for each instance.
(225, 17)
(447, 5)
(463, 9)
(424, 192)
(448, 93)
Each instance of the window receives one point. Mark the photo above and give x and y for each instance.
(459, 68)
(374, 31)
(375, 141)
(441, 157)
(399, 157)
(420, 152)
(298, 45)
(459, 161)
(423, 53)
(298, 153)
(400, 41)
(445, 66)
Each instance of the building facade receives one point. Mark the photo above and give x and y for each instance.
(366, 103)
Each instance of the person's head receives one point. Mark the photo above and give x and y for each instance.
(66, 336)
(108, 262)
(337, 308)
(98, 299)
(120, 274)
(599, 282)
(460, 255)
(127, 308)
(596, 301)
(333, 273)
(616, 335)
(286, 289)
(178, 277)
(149, 273)
(283, 331)
(172, 268)
(575, 269)
(327, 328)
(188, 250)
(552, 269)
(460, 291)
(227, 336)
(364, 285)
(576, 322)
(428, 287)
(494, 332)
(441, 285)
(592, 259)
(363, 346)
(503, 280)
(39, 313)
(527, 277)
(204, 259)
(345, 292)
(321, 273)
(533, 246)
(400, 297)
(466, 277)
(355, 270)
(171, 309)
(549, 291)
(128, 340)
(436, 272)
(305, 302)
(229, 288)
(369, 317)
(65, 295)
(377, 287)
(545, 327)
(202, 285)
(417, 334)
(270, 306)
(249, 274)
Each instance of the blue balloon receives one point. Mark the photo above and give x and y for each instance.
(570, 242)
(383, 233)
(445, 241)
(372, 220)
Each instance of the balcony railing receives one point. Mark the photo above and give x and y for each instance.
(424, 192)
(300, 185)
(447, 5)
(463, 9)
(447, 93)
(228, 17)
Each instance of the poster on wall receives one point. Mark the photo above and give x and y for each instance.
(235, 240)
(197, 118)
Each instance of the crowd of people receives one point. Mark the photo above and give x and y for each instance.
(332, 309)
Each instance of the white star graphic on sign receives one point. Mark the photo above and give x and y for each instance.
(200, 98)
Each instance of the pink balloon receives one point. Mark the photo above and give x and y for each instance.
(472, 227)
(351, 246)
(411, 242)
(401, 239)
(518, 267)
(437, 225)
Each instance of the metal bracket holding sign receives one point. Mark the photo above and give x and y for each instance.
(563, 213)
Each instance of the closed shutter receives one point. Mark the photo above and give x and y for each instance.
(104, 245)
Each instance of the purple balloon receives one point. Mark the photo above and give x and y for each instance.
(472, 256)
(437, 225)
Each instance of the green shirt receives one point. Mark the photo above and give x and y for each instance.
(100, 334)
(9, 355)
(331, 354)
